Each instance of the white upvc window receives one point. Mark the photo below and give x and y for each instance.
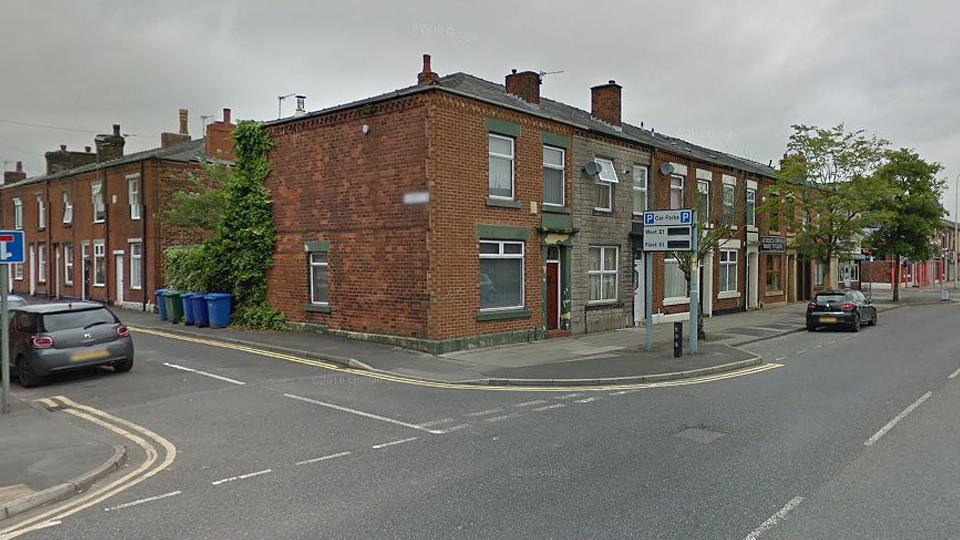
(602, 274)
(553, 182)
(68, 264)
(500, 160)
(42, 263)
(676, 192)
(136, 265)
(41, 212)
(18, 271)
(67, 208)
(703, 201)
(728, 270)
(640, 179)
(319, 278)
(99, 259)
(17, 213)
(501, 275)
(133, 195)
(99, 206)
(729, 196)
(751, 207)
(605, 181)
(674, 283)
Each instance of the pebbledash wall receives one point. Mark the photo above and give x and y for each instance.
(381, 207)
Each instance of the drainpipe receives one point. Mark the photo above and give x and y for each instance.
(143, 235)
(49, 226)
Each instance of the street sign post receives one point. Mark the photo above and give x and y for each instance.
(670, 230)
(11, 252)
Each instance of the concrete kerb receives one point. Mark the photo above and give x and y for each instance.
(67, 489)
(353, 363)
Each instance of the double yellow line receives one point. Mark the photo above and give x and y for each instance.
(160, 453)
(456, 386)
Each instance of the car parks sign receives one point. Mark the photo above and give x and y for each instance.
(775, 244)
(668, 230)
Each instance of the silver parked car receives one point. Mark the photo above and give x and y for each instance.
(49, 338)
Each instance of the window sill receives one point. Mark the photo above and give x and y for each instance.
(554, 209)
(676, 301)
(773, 293)
(603, 304)
(752, 228)
(102, 285)
(728, 294)
(99, 222)
(68, 224)
(503, 203)
(494, 315)
(316, 308)
(65, 284)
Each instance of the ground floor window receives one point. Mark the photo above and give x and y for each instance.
(501, 274)
(849, 271)
(674, 282)
(728, 270)
(68, 264)
(18, 271)
(774, 269)
(136, 265)
(818, 273)
(99, 258)
(319, 278)
(42, 263)
(603, 273)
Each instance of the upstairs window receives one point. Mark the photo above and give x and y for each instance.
(605, 181)
(67, 208)
(640, 175)
(41, 213)
(17, 214)
(500, 160)
(703, 201)
(751, 207)
(729, 191)
(99, 206)
(553, 159)
(133, 196)
(676, 192)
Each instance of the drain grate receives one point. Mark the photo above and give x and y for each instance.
(702, 436)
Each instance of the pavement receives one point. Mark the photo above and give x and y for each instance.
(270, 447)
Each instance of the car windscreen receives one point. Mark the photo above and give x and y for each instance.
(831, 298)
(86, 318)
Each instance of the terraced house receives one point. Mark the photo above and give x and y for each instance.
(459, 212)
(93, 221)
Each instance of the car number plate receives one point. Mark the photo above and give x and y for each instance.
(828, 319)
(89, 355)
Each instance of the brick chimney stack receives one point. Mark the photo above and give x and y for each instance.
(219, 138)
(109, 147)
(14, 176)
(525, 85)
(63, 159)
(605, 102)
(170, 139)
(427, 76)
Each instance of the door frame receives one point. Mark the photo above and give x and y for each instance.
(119, 283)
(33, 269)
(639, 290)
(548, 261)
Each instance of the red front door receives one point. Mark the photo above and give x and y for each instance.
(553, 295)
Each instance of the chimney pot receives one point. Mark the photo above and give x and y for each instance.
(183, 122)
(611, 81)
(525, 85)
(19, 166)
(87, 149)
(427, 76)
(226, 116)
(116, 130)
(63, 147)
(605, 102)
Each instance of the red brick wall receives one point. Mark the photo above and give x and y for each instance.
(331, 182)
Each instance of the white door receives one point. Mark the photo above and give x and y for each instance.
(33, 271)
(56, 271)
(638, 291)
(118, 257)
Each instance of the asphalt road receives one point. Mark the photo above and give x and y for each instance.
(267, 448)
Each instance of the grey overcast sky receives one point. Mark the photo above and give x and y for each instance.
(732, 75)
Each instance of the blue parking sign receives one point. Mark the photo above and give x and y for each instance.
(686, 217)
(11, 247)
(648, 218)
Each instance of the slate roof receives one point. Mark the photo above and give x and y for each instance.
(494, 93)
(184, 152)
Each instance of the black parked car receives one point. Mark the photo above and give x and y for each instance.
(847, 309)
(48, 338)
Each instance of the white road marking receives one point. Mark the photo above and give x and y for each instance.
(528, 403)
(401, 441)
(781, 358)
(801, 351)
(954, 374)
(365, 414)
(324, 458)
(832, 342)
(499, 418)
(241, 477)
(586, 400)
(883, 431)
(774, 519)
(622, 392)
(437, 422)
(204, 373)
(548, 407)
(454, 428)
(141, 501)
(47, 524)
(483, 413)
(568, 396)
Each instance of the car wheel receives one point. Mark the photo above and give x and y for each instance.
(123, 366)
(28, 377)
(856, 323)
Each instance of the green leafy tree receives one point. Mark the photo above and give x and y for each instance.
(911, 211)
(826, 191)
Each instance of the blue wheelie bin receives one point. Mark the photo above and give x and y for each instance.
(218, 308)
(160, 303)
(201, 316)
(187, 299)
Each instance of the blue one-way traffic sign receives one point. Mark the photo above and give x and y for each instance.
(11, 247)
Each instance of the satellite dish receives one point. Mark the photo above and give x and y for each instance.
(592, 169)
(666, 168)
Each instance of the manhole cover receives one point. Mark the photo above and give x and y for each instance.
(703, 436)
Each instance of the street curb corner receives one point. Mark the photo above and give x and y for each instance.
(67, 489)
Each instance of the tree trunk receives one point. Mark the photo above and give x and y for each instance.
(701, 333)
(896, 279)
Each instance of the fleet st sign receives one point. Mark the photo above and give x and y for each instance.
(11, 247)
(668, 230)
